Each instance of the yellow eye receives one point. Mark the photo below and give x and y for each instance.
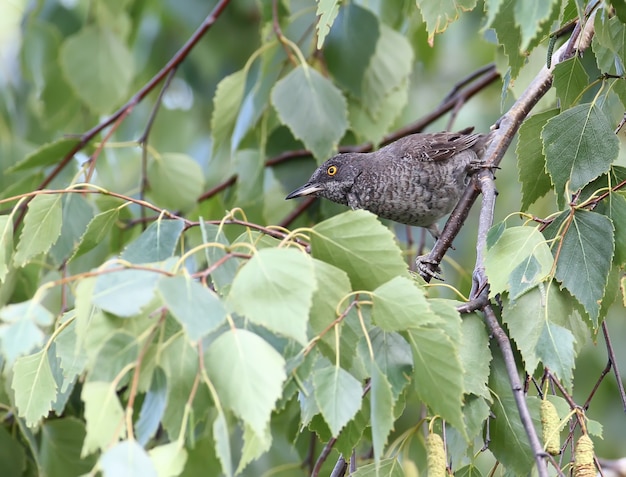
(332, 170)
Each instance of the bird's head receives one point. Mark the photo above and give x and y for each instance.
(333, 179)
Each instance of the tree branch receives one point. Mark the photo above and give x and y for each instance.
(516, 386)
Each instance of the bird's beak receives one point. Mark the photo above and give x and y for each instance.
(306, 189)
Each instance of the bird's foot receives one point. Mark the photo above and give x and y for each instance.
(478, 165)
(428, 268)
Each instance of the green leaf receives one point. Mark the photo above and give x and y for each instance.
(614, 207)
(381, 410)
(222, 443)
(305, 97)
(179, 360)
(73, 357)
(332, 287)
(275, 289)
(529, 16)
(475, 356)
(509, 35)
(176, 181)
(46, 155)
(584, 255)
(195, 307)
(327, 11)
(579, 145)
(260, 372)
(468, 471)
(570, 81)
(393, 357)
(103, 414)
(338, 396)
(6, 244)
(388, 69)
(125, 459)
(373, 128)
(545, 328)
(359, 244)
(224, 274)
(20, 333)
(350, 46)
(42, 227)
(439, 14)
(106, 82)
(156, 243)
(518, 261)
(386, 467)
(34, 386)
(97, 230)
(168, 459)
(125, 292)
(118, 351)
(256, 101)
(152, 408)
(620, 9)
(254, 446)
(77, 212)
(531, 162)
(609, 44)
(439, 375)
(12, 454)
(61, 440)
(509, 443)
(226, 104)
(400, 304)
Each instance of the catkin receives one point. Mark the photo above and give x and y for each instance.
(583, 457)
(550, 428)
(435, 456)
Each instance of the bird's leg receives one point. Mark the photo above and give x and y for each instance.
(428, 268)
(433, 229)
(476, 165)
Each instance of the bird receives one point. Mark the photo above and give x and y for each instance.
(415, 180)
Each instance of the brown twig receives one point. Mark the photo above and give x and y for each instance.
(279, 33)
(295, 213)
(611, 353)
(218, 188)
(516, 386)
(143, 139)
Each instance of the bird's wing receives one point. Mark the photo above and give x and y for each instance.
(434, 147)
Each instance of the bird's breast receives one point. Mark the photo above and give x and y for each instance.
(411, 192)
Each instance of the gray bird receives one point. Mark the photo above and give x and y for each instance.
(415, 180)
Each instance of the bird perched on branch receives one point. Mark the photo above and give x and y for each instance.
(415, 180)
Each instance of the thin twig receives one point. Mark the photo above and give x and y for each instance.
(295, 213)
(279, 33)
(143, 139)
(340, 467)
(516, 386)
(218, 188)
(604, 372)
(609, 349)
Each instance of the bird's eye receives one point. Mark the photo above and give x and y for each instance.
(332, 170)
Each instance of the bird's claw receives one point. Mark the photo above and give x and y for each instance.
(428, 268)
